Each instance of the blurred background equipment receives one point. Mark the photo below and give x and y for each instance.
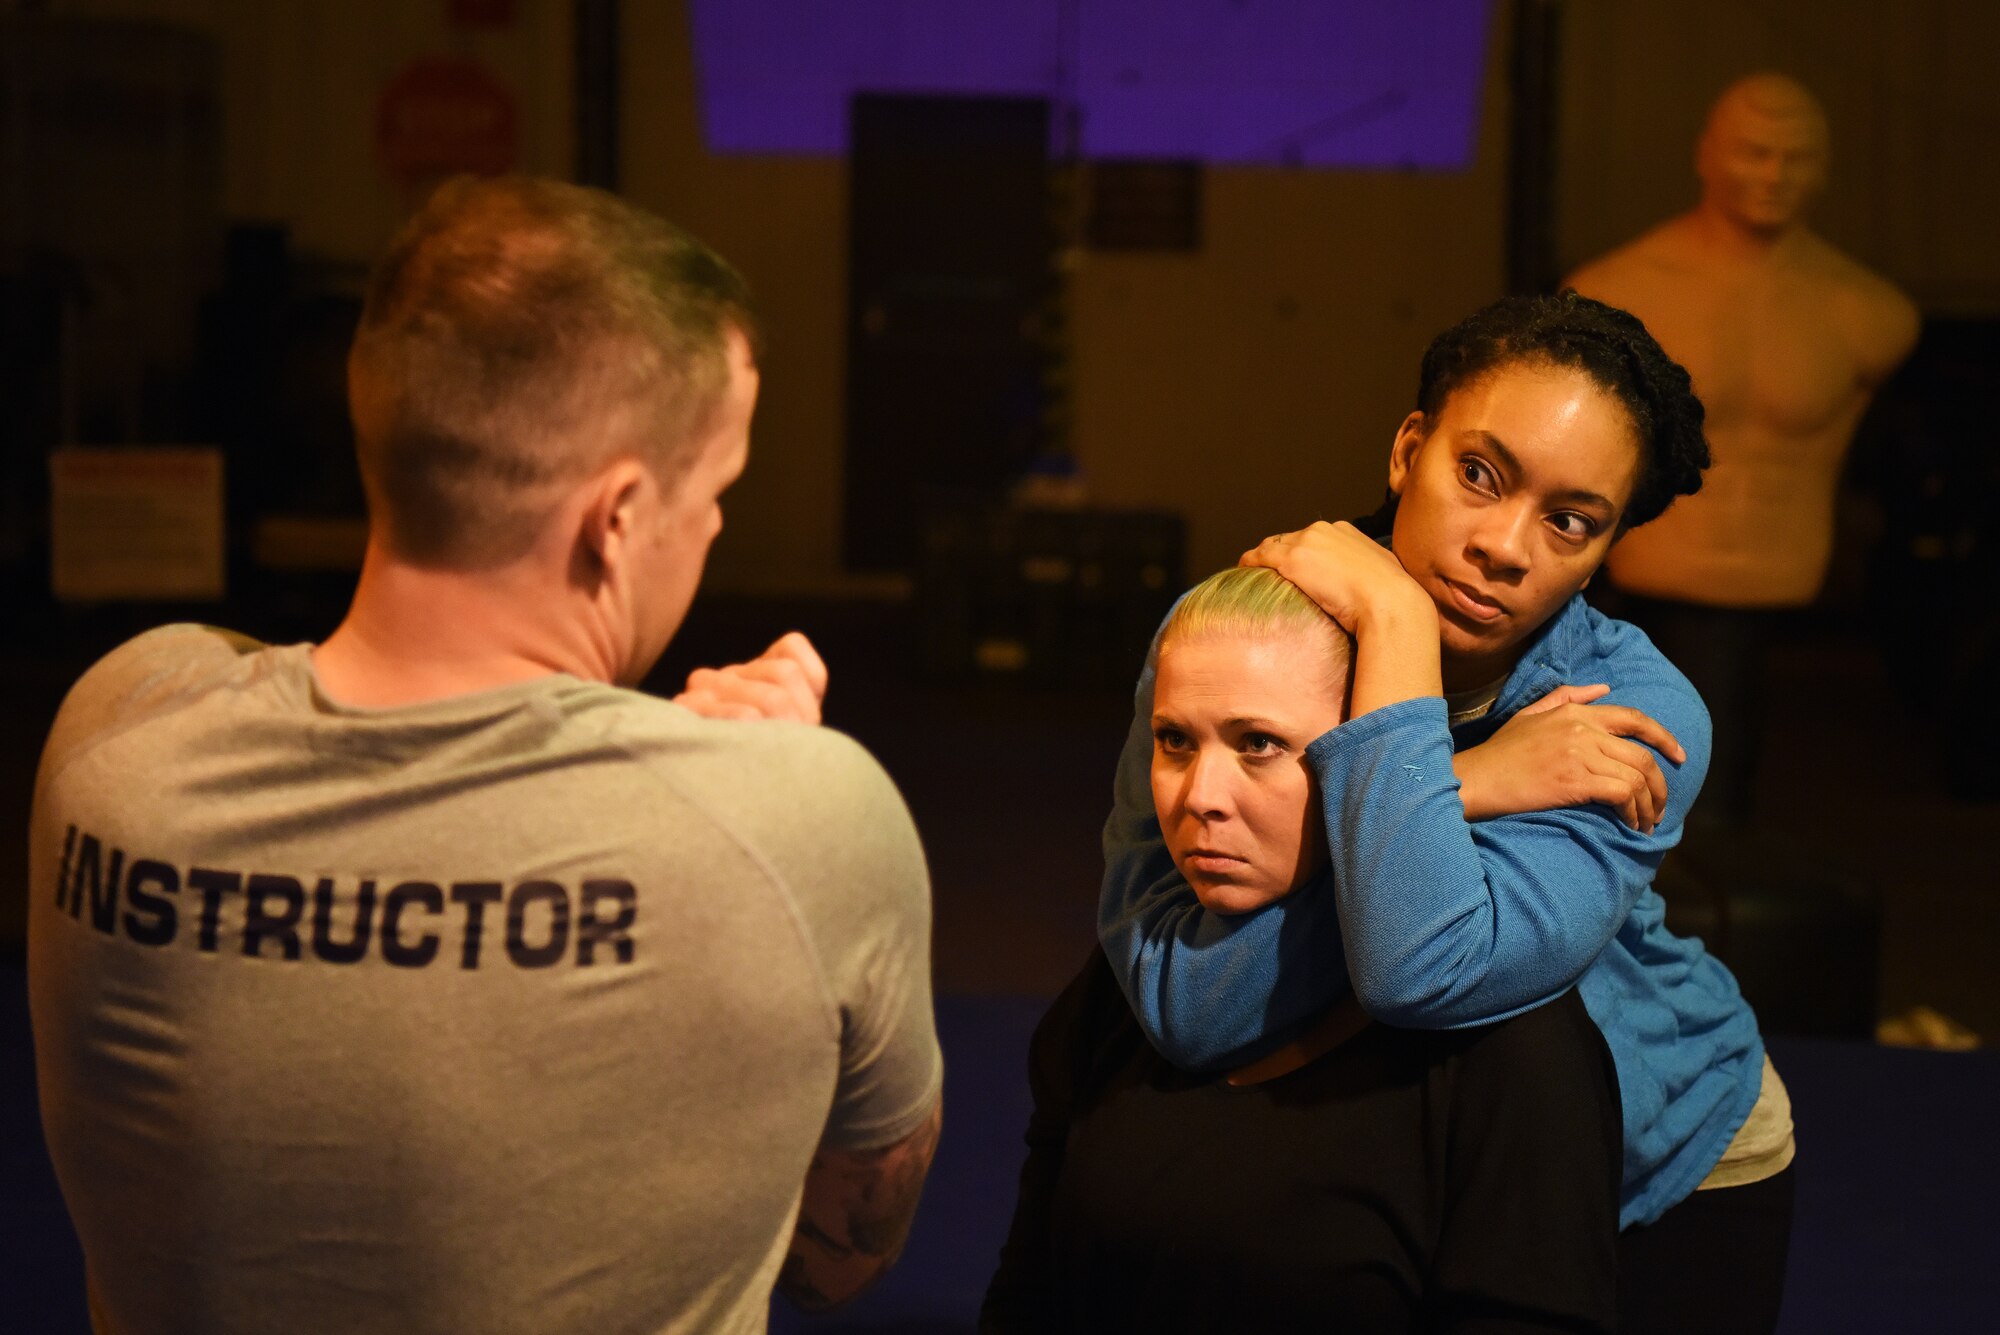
(1058, 597)
(1931, 471)
(110, 229)
(135, 522)
(950, 254)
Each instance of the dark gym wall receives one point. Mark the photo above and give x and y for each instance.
(1254, 383)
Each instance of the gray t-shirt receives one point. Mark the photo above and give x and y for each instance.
(520, 1011)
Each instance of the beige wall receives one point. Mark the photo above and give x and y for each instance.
(1254, 384)
(783, 222)
(299, 84)
(1257, 384)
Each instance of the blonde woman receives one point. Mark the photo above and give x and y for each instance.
(1356, 1178)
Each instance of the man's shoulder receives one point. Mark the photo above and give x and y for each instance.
(185, 651)
(788, 760)
(781, 786)
(816, 814)
(146, 676)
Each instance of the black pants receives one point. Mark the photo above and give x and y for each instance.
(1712, 1265)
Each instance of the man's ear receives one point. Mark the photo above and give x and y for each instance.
(608, 524)
(1403, 454)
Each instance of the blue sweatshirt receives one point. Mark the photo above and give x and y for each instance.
(1439, 923)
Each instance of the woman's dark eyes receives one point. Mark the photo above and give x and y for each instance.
(1476, 474)
(1250, 743)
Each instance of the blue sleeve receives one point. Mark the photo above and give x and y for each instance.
(1211, 990)
(1452, 923)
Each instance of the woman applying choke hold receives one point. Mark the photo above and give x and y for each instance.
(1492, 838)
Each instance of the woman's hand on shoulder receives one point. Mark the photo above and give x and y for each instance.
(1354, 578)
(1565, 751)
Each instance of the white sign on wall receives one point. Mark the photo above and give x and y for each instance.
(136, 522)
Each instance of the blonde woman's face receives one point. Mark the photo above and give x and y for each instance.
(1232, 717)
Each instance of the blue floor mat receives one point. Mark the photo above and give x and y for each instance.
(1896, 1229)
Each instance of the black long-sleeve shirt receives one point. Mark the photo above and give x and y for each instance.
(1462, 1181)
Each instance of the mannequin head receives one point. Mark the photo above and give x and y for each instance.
(1762, 155)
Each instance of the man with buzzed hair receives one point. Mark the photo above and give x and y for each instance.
(429, 978)
(1787, 339)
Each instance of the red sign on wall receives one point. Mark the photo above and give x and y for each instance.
(443, 115)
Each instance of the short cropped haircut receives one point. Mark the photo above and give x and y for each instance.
(1253, 602)
(1607, 344)
(520, 334)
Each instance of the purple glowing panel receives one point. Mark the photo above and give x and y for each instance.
(1299, 82)
(775, 75)
(1324, 83)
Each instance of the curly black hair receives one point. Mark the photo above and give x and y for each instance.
(1607, 344)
